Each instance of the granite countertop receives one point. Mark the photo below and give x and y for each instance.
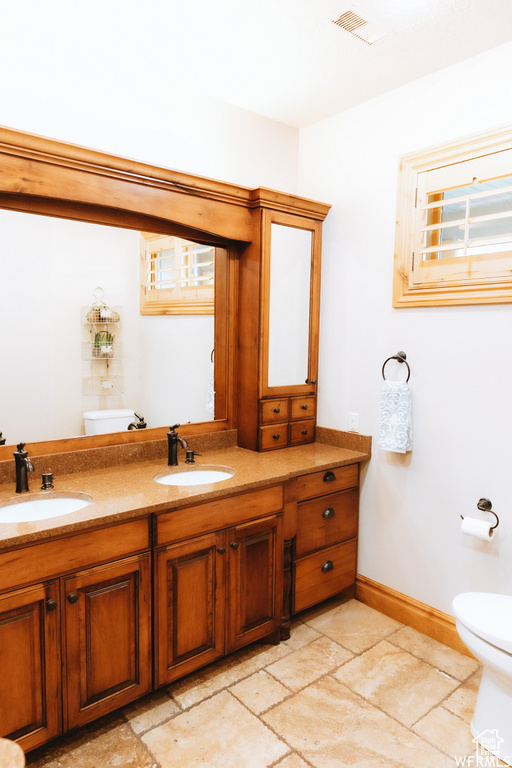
(129, 491)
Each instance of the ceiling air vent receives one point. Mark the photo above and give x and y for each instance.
(359, 27)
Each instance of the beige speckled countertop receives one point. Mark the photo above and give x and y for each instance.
(129, 490)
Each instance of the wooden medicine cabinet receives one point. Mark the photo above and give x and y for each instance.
(281, 286)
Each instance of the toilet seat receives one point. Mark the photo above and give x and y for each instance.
(487, 615)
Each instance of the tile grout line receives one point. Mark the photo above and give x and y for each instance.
(290, 651)
(392, 717)
(280, 737)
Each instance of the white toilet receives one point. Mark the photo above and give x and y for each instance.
(484, 623)
(112, 420)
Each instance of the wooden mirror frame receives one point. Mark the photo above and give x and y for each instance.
(54, 178)
(47, 177)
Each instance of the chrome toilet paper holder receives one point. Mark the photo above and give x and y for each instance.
(485, 505)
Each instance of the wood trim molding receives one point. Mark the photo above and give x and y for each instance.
(430, 621)
(480, 279)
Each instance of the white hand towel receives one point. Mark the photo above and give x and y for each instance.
(395, 433)
(210, 395)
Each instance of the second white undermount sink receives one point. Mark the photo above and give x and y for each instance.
(195, 476)
(42, 507)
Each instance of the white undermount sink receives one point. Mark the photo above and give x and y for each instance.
(42, 507)
(195, 476)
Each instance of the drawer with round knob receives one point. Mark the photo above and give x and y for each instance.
(273, 411)
(302, 407)
(325, 521)
(272, 436)
(327, 481)
(302, 432)
(323, 574)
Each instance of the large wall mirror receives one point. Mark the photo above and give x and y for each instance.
(161, 366)
(71, 221)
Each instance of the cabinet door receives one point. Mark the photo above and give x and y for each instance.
(107, 638)
(189, 606)
(290, 303)
(255, 583)
(30, 665)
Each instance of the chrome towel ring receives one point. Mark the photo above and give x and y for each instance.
(402, 358)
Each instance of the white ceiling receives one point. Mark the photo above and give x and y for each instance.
(284, 59)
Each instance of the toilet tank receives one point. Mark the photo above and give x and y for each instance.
(113, 420)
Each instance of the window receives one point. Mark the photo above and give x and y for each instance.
(177, 276)
(454, 224)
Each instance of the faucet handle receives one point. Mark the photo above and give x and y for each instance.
(175, 427)
(20, 447)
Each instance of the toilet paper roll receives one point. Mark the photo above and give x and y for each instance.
(480, 529)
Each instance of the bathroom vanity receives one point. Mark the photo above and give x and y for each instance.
(76, 607)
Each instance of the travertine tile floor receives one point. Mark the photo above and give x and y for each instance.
(351, 687)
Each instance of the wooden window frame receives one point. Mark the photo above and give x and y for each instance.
(179, 299)
(477, 286)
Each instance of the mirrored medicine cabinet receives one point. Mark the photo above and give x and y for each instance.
(267, 250)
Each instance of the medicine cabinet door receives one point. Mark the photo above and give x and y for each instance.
(291, 299)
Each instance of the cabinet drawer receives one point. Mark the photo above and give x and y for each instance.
(302, 407)
(50, 558)
(302, 432)
(327, 481)
(273, 436)
(324, 574)
(188, 522)
(273, 411)
(326, 520)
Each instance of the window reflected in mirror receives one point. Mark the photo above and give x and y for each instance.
(177, 275)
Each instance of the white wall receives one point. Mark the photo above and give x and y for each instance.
(460, 357)
(179, 129)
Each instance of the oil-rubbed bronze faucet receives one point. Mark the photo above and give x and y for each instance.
(173, 440)
(23, 465)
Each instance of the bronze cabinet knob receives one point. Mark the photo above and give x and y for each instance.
(72, 597)
(328, 513)
(234, 545)
(327, 566)
(51, 604)
(221, 550)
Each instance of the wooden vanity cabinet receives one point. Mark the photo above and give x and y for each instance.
(30, 709)
(189, 606)
(221, 590)
(255, 580)
(106, 638)
(286, 421)
(76, 644)
(325, 549)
